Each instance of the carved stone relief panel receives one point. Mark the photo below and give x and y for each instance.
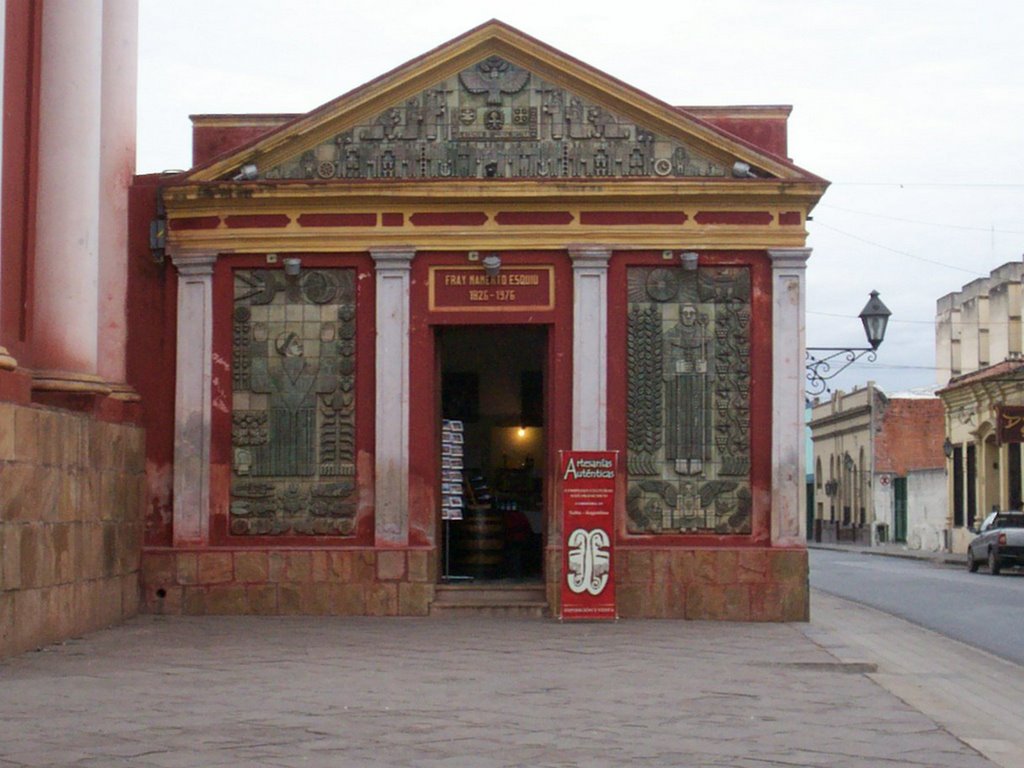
(688, 413)
(496, 119)
(293, 413)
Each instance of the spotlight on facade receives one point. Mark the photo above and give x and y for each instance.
(247, 172)
(947, 448)
(292, 267)
(824, 363)
(741, 170)
(689, 260)
(492, 264)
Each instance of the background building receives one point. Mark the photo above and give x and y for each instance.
(978, 356)
(879, 471)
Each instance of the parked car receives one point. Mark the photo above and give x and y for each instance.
(1000, 542)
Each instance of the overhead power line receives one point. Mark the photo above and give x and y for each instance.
(901, 253)
(986, 324)
(990, 230)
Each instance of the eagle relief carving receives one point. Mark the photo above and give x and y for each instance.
(496, 120)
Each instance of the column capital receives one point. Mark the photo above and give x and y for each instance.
(193, 263)
(590, 256)
(395, 258)
(789, 258)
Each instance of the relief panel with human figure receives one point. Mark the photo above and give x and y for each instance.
(688, 412)
(293, 403)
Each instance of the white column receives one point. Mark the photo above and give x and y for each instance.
(66, 270)
(589, 346)
(192, 398)
(117, 165)
(391, 480)
(789, 267)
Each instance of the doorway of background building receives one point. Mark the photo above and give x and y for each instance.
(492, 414)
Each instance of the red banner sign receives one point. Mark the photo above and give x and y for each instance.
(588, 534)
(1010, 424)
(513, 289)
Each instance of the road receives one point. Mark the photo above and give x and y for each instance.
(983, 611)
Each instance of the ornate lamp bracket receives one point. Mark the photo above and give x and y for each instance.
(825, 363)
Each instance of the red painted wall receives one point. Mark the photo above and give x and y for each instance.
(764, 127)
(151, 350)
(211, 140)
(760, 392)
(23, 22)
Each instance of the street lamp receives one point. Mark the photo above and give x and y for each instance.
(824, 363)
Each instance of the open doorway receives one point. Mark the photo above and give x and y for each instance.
(492, 484)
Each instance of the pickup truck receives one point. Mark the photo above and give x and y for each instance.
(1000, 542)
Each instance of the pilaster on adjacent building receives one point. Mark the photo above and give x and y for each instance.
(391, 484)
(192, 397)
(789, 268)
(590, 346)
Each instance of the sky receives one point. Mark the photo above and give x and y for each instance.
(914, 111)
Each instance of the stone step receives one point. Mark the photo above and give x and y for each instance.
(525, 610)
(494, 599)
(493, 593)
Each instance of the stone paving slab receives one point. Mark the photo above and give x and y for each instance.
(169, 692)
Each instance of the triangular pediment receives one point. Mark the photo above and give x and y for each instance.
(495, 103)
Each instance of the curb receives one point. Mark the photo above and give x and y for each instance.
(942, 558)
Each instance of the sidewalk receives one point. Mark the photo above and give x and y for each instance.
(161, 692)
(893, 550)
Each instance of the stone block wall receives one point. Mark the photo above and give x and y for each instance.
(71, 496)
(352, 582)
(703, 584)
(756, 584)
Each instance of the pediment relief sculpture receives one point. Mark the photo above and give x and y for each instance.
(497, 120)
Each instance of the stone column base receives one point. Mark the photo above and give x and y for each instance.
(85, 393)
(7, 363)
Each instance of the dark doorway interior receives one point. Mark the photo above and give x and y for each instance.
(492, 388)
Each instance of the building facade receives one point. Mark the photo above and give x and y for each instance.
(879, 470)
(496, 243)
(978, 353)
(72, 455)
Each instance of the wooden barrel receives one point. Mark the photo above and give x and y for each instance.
(479, 544)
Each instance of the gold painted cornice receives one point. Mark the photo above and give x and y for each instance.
(292, 199)
(441, 239)
(228, 196)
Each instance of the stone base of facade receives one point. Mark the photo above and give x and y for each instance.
(700, 584)
(349, 582)
(71, 495)
(15, 386)
(763, 584)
